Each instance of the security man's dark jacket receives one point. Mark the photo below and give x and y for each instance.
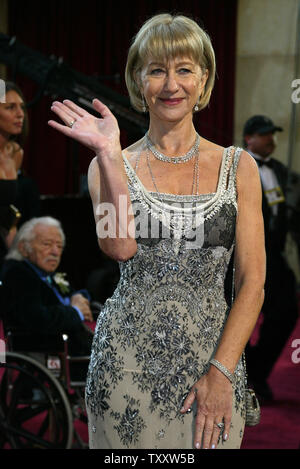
(276, 227)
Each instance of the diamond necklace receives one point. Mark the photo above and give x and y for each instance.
(174, 159)
(195, 186)
(179, 223)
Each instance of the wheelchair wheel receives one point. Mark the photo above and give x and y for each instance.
(34, 410)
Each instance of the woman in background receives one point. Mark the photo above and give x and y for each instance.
(13, 131)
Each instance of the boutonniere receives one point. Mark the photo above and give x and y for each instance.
(60, 280)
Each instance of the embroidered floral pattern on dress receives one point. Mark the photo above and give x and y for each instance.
(130, 424)
(164, 321)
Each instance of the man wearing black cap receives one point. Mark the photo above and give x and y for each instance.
(280, 309)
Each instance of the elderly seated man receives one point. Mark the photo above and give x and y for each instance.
(35, 298)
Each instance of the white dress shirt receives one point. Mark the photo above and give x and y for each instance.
(270, 184)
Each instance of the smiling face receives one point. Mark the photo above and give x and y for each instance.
(12, 114)
(172, 89)
(165, 39)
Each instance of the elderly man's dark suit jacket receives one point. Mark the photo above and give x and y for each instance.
(30, 305)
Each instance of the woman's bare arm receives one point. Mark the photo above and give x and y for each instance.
(112, 210)
(213, 391)
(250, 265)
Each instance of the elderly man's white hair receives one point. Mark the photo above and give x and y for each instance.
(26, 234)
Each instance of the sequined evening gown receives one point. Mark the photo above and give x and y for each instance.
(156, 334)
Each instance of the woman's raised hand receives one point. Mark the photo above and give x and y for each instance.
(100, 134)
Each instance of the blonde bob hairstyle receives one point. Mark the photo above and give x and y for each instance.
(165, 36)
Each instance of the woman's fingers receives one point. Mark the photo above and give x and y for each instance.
(61, 128)
(221, 427)
(68, 111)
(214, 409)
(64, 113)
(227, 422)
(217, 430)
(79, 112)
(102, 108)
(188, 402)
(208, 432)
(199, 429)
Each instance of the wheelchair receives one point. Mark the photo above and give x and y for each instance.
(40, 403)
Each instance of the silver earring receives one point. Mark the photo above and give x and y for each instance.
(196, 107)
(144, 105)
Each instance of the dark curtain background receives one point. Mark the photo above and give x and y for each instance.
(93, 37)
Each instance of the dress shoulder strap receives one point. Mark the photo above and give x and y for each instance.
(235, 158)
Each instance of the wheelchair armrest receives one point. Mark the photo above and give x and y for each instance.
(79, 358)
(27, 342)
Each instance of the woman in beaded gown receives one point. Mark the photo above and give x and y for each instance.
(166, 368)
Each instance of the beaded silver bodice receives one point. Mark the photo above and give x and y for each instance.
(165, 318)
